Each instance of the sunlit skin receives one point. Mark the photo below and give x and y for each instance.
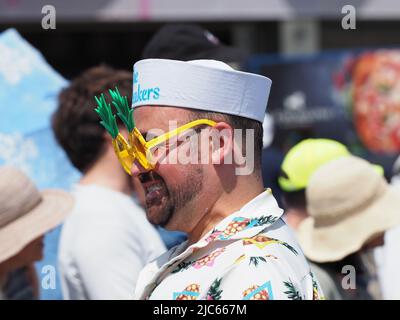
(192, 198)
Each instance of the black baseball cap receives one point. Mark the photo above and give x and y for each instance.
(190, 42)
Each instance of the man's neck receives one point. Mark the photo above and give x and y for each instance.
(107, 174)
(225, 205)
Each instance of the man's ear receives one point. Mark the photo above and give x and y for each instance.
(222, 143)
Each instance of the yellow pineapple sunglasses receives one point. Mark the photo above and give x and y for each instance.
(136, 148)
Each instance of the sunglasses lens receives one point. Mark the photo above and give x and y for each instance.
(126, 160)
(142, 155)
(125, 157)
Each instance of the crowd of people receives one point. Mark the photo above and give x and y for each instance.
(328, 229)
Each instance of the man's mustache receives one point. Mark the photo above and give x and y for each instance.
(149, 176)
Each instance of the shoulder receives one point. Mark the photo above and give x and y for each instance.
(278, 243)
(260, 277)
(270, 261)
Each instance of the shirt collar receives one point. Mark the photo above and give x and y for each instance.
(251, 219)
(256, 215)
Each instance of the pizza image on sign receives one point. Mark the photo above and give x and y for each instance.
(376, 100)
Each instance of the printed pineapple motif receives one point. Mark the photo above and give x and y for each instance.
(214, 234)
(292, 291)
(264, 220)
(316, 295)
(256, 260)
(191, 292)
(261, 241)
(240, 259)
(239, 224)
(254, 294)
(214, 293)
(256, 239)
(208, 260)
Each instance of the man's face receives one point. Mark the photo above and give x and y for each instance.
(172, 190)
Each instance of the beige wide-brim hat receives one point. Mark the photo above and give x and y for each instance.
(349, 203)
(25, 213)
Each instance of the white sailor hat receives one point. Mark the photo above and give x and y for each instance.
(206, 85)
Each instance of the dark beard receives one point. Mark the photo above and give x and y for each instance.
(177, 196)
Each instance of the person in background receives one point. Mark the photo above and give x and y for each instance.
(389, 253)
(350, 207)
(107, 239)
(396, 172)
(186, 42)
(26, 215)
(272, 158)
(301, 161)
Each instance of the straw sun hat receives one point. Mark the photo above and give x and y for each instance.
(349, 203)
(26, 213)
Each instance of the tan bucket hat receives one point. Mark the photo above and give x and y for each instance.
(26, 213)
(349, 202)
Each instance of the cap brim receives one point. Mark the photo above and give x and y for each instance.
(47, 215)
(336, 241)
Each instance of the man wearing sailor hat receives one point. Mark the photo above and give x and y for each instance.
(238, 246)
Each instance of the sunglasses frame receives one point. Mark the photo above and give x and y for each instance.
(137, 148)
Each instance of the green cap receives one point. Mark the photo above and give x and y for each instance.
(305, 158)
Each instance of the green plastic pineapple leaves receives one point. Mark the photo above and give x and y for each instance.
(124, 112)
(108, 120)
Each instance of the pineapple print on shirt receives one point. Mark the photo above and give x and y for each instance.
(191, 292)
(207, 260)
(263, 292)
(261, 241)
(250, 255)
(239, 224)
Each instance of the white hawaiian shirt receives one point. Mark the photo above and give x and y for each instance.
(251, 255)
